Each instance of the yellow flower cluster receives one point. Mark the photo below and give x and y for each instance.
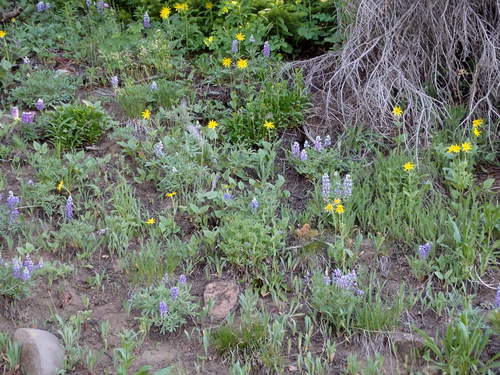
(241, 63)
(456, 148)
(336, 206)
(476, 124)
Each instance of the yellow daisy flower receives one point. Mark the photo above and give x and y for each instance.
(164, 13)
(150, 221)
(477, 122)
(209, 5)
(60, 185)
(454, 149)
(476, 132)
(3, 33)
(329, 207)
(339, 209)
(408, 166)
(269, 125)
(226, 62)
(242, 63)
(146, 114)
(212, 124)
(181, 7)
(397, 111)
(336, 201)
(240, 37)
(466, 146)
(171, 195)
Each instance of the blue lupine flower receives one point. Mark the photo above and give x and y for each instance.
(254, 205)
(146, 21)
(14, 112)
(348, 282)
(325, 186)
(153, 86)
(114, 82)
(163, 309)
(16, 268)
(497, 298)
(25, 274)
(306, 144)
(347, 186)
(174, 292)
(424, 250)
(69, 208)
(182, 279)
(318, 146)
(303, 155)
(234, 46)
(28, 263)
(228, 196)
(40, 105)
(40, 6)
(296, 149)
(158, 150)
(327, 142)
(266, 50)
(26, 60)
(28, 117)
(12, 202)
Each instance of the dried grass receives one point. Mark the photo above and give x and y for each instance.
(424, 55)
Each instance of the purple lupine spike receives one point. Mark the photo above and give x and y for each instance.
(182, 279)
(326, 280)
(40, 105)
(163, 309)
(114, 82)
(347, 186)
(68, 211)
(254, 205)
(234, 46)
(174, 292)
(100, 5)
(228, 196)
(296, 149)
(28, 263)
(348, 282)
(266, 50)
(89, 3)
(306, 144)
(25, 274)
(28, 117)
(146, 21)
(153, 86)
(424, 250)
(12, 201)
(325, 186)
(303, 155)
(158, 150)
(318, 146)
(40, 6)
(14, 112)
(16, 268)
(497, 298)
(327, 142)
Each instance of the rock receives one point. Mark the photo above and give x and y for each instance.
(406, 344)
(224, 296)
(41, 352)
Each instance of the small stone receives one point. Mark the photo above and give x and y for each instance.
(406, 344)
(41, 352)
(224, 296)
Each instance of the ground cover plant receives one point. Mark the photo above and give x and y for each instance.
(250, 186)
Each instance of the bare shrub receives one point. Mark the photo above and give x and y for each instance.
(424, 55)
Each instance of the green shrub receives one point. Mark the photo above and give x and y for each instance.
(72, 126)
(247, 242)
(281, 103)
(54, 88)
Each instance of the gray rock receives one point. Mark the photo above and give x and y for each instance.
(41, 352)
(224, 296)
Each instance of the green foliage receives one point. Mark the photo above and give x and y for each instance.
(53, 87)
(460, 349)
(73, 126)
(281, 103)
(148, 300)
